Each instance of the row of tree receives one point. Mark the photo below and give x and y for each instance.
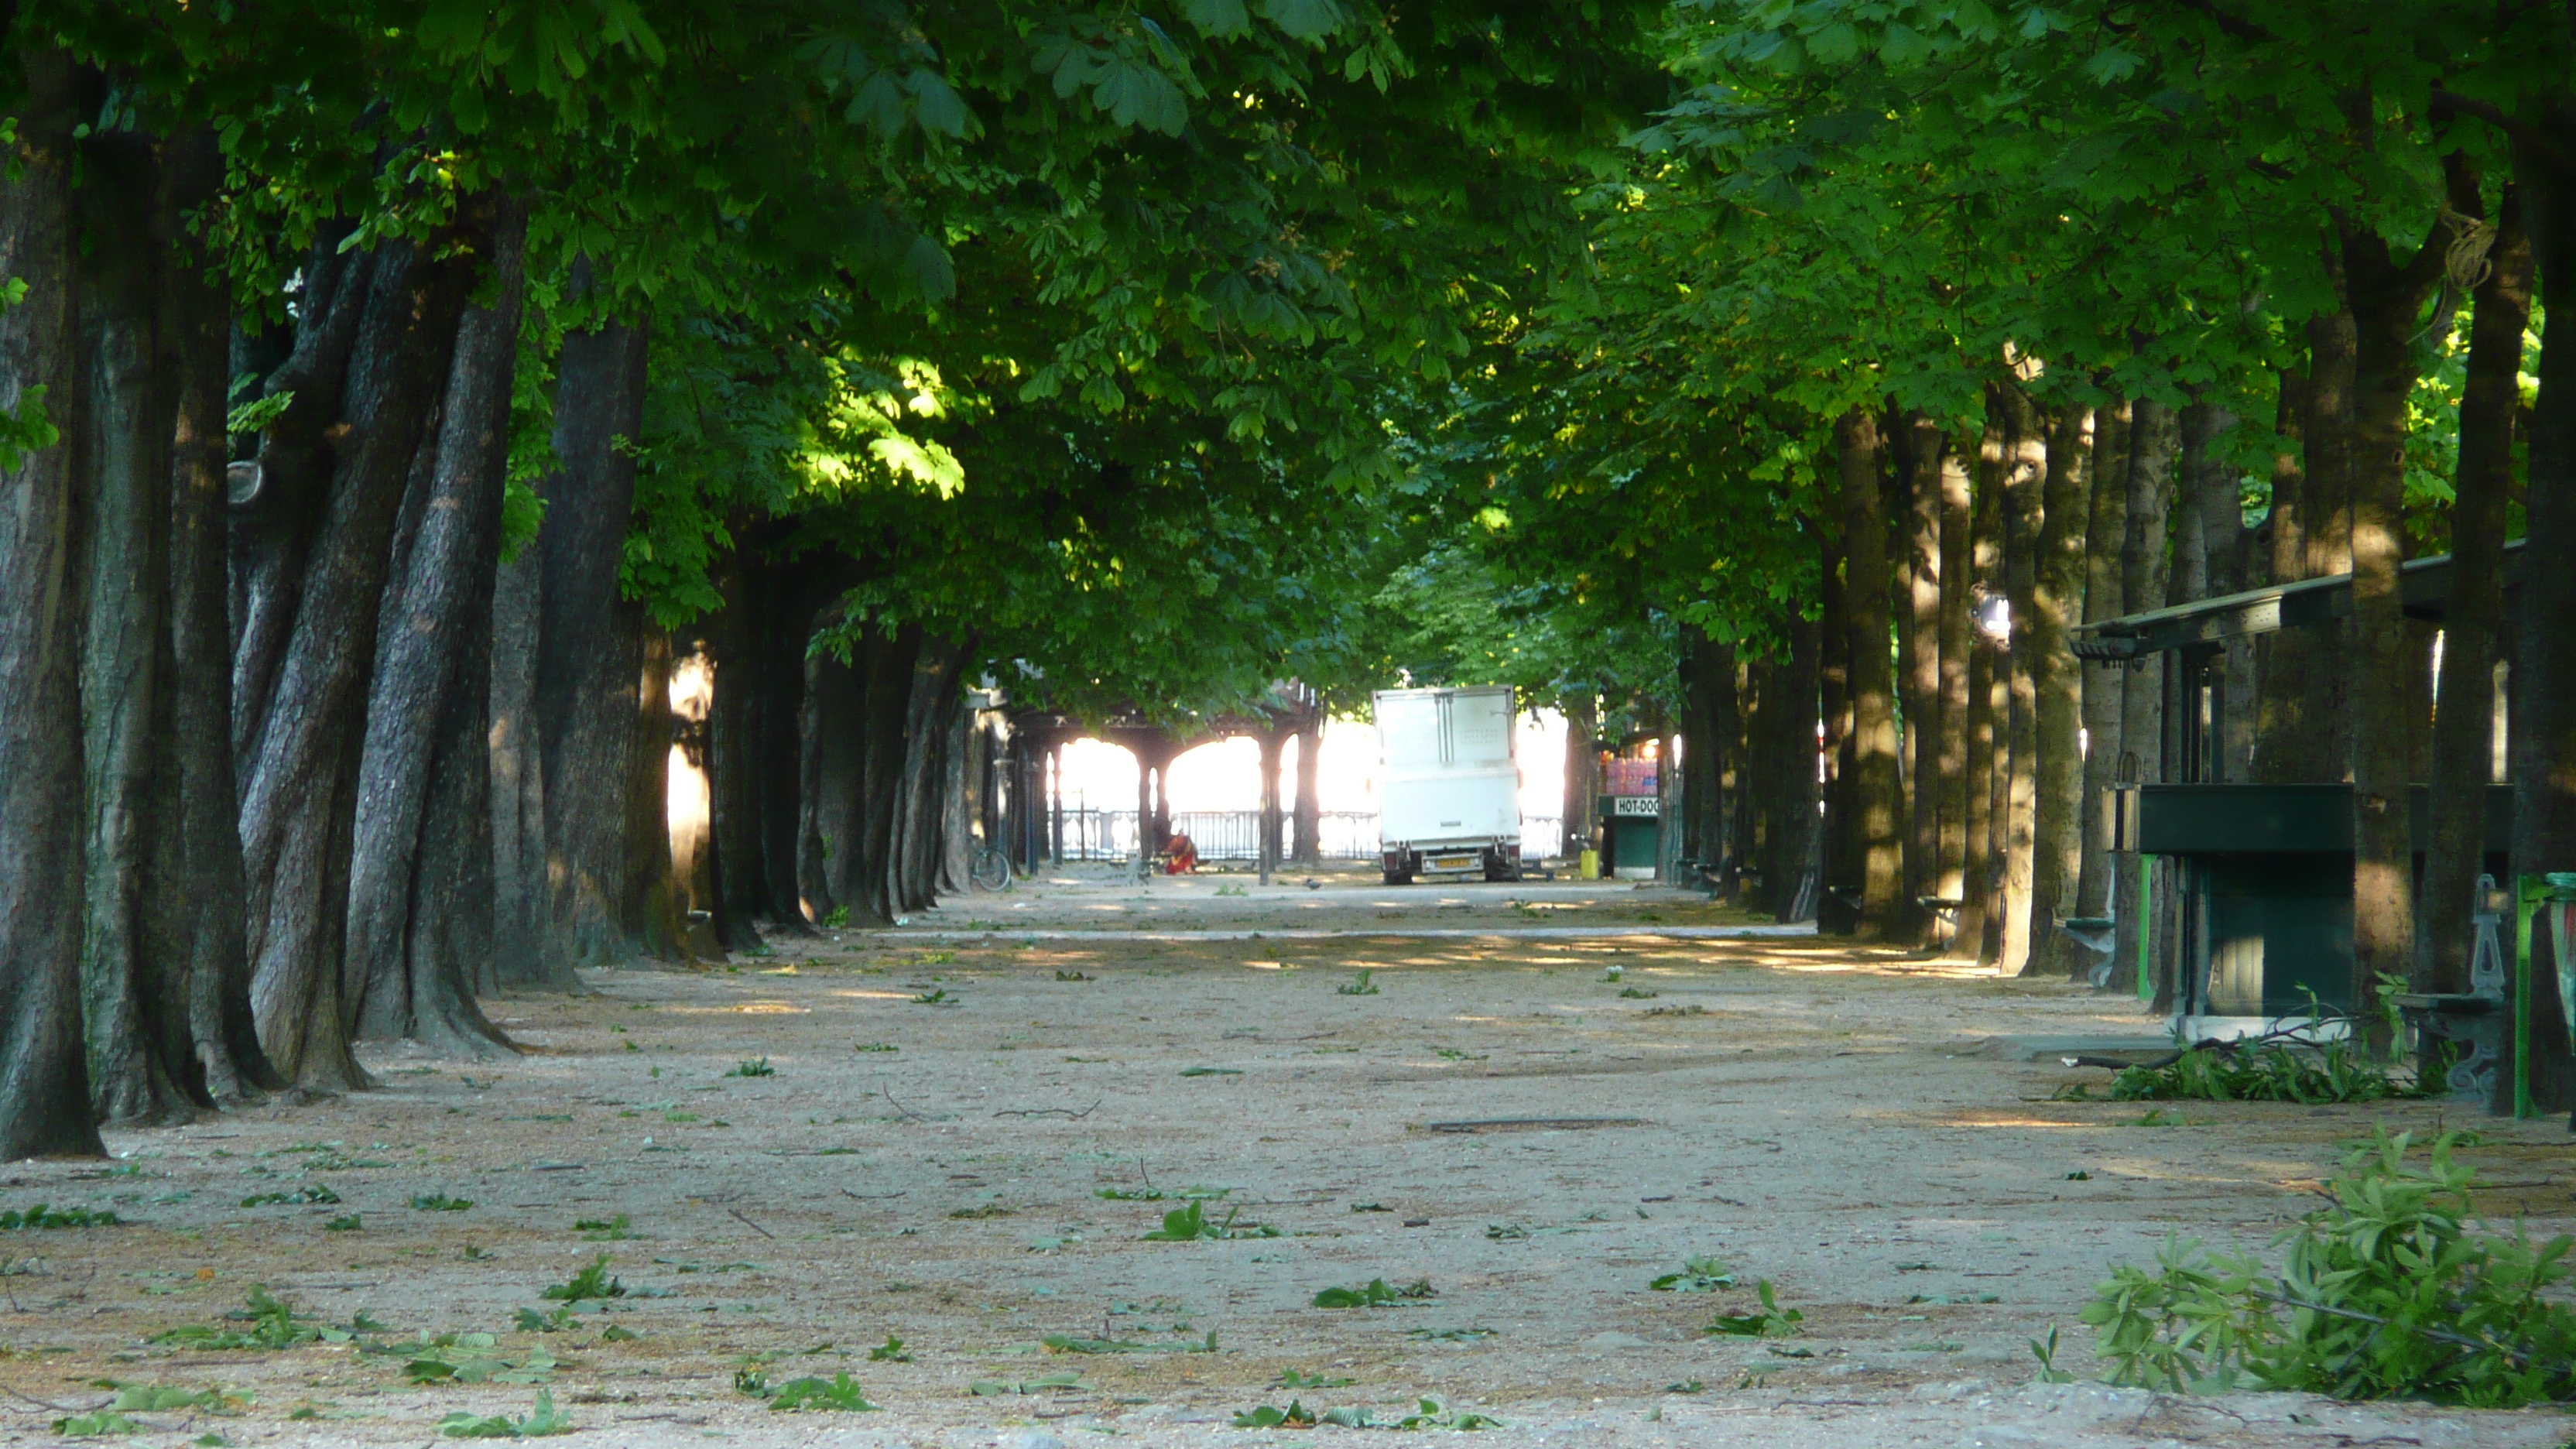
(396, 395)
(392, 398)
(1912, 317)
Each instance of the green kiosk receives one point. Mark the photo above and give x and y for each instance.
(1631, 810)
(2257, 913)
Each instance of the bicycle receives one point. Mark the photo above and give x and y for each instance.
(991, 871)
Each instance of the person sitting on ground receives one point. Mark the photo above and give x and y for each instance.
(1180, 856)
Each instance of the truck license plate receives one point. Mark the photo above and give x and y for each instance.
(1455, 862)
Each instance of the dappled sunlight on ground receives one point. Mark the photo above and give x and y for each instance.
(1497, 1119)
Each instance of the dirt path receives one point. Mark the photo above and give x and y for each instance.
(1850, 1126)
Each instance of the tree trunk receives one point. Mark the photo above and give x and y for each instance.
(44, 1086)
(2105, 532)
(1789, 711)
(2155, 438)
(2464, 718)
(2284, 747)
(358, 443)
(529, 947)
(1310, 799)
(196, 923)
(422, 875)
(652, 907)
(1269, 742)
(2057, 686)
(122, 450)
(792, 595)
(2025, 474)
(2386, 300)
(881, 728)
(590, 656)
(2543, 734)
(730, 642)
(1925, 453)
(2327, 507)
(918, 835)
(1838, 856)
(829, 789)
(1877, 793)
(1582, 762)
(1735, 781)
(1949, 774)
(956, 824)
(2212, 555)
(1708, 748)
(1989, 708)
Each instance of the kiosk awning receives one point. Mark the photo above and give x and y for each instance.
(2305, 604)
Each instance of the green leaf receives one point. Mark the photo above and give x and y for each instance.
(1307, 20)
(1218, 19)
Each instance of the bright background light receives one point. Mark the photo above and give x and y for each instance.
(1226, 775)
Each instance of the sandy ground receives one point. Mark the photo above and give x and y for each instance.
(1854, 1127)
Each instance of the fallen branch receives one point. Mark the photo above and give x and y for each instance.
(2438, 1335)
(1532, 1124)
(748, 1223)
(58, 1408)
(888, 1093)
(1054, 1111)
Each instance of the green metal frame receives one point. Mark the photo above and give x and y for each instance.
(2146, 929)
(2530, 893)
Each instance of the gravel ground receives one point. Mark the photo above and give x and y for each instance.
(963, 1124)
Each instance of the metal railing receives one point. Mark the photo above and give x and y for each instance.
(1236, 834)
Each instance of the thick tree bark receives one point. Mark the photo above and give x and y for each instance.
(1709, 729)
(2210, 556)
(2025, 481)
(591, 656)
(881, 728)
(1949, 773)
(1582, 771)
(1838, 858)
(1989, 708)
(340, 461)
(2386, 301)
(2283, 733)
(1925, 452)
(2057, 686)
(2327, 506)
(122, 447)
(1877, 793)
(2464, 718)
(830, 790)
(1789, 713)
(1310, 798)
(2543, 734)
(956, 825)
(736, 882)
(1273, 820)
(1734, 783)
(652, 906)
(44, 1087)
(422, 874)
(2105, 533)
(529, 946)
(2155, 439)
(195, 925)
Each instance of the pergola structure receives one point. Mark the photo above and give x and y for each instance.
(1290, 709)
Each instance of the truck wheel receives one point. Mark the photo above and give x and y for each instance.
(1399, 877)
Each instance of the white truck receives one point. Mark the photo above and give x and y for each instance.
(1449, 791)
